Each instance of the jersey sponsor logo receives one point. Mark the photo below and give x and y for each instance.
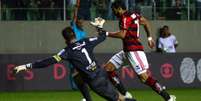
(79, 45)
(93, 39)
(91, 67)
(133, 16)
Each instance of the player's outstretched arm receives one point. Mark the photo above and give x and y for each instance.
(99, 22)
(38, 64)
(20, 68)
(120, 34)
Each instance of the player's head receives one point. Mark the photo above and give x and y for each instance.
(118, 8)
(166, 30)
(68, 34)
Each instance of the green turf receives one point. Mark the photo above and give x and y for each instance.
(141, 95)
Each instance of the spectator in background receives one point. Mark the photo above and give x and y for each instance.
(3, 10)
(167, 42)
(101, 8)
(59, 9)
(130, 4)
(84, 9)
(174, 12)
(198, 9)
(33, 10)
(52, 15)
(159, 35)
(20, 11)
(110, 15)
(44, 6)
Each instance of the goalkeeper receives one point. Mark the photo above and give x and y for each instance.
(80, 54)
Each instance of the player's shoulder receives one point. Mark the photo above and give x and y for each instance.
(160, 38)
(172, 36)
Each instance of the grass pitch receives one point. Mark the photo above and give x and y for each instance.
(140, 95)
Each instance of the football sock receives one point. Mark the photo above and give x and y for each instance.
(82, 87)
(157, 88)
(116, 82)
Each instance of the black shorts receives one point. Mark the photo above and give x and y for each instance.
(103, 87)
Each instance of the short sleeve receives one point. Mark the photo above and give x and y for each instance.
(159, 43)
(174, 39)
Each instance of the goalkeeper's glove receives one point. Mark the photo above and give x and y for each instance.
(98, 22)
(21, 68)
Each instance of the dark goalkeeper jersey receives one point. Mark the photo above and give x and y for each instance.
(79, 54)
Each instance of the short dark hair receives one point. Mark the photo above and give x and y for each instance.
(68, 33)
(118, 4)
(165, 26)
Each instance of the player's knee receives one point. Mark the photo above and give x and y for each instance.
(121, 97)
(109, 67)
(143, 77)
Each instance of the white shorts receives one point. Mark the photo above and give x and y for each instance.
(137, 60)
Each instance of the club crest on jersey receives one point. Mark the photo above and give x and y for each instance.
(133, 16)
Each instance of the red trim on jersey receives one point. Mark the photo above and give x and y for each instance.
(133, 41)
(139, 60)
(134, 48)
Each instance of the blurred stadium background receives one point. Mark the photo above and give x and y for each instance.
(30, 30)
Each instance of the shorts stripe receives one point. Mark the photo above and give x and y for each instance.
(139, 60)
(132, 61)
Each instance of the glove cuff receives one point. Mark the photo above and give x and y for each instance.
(29, 66)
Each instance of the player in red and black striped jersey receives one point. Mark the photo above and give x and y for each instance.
(133, 50)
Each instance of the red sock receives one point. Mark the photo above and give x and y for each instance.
(154, 84)
(157, 88)
(112, 75)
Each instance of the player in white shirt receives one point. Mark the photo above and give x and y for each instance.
(167, 42)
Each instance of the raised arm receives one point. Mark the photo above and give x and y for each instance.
(120, 34)
(76, 10)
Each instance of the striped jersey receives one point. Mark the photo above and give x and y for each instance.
(130, 22)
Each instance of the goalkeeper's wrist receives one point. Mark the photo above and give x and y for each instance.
(28, 66)
(107, 33)
(150, 38)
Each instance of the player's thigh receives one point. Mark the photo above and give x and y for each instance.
(117, 60)
(103, 87)
(78, 80)
(138, 61)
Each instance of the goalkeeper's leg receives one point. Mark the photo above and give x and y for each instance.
(82, 86)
